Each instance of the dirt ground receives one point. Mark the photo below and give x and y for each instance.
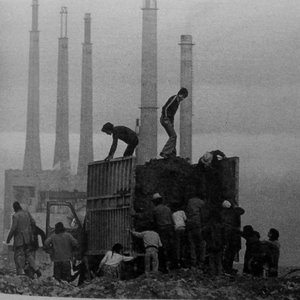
(178, 284)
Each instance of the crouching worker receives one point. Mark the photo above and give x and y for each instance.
(122, 133)
(62, 244)
(110, 264)
(152, 243)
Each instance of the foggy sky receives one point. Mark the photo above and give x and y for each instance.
(246, 61)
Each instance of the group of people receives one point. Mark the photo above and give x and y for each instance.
(129, 137)
(178, 238)
(25, 233)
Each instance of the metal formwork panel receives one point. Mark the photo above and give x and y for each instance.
(108, 224)
(110, 192)
(110, 177)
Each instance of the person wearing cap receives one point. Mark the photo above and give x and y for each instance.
(63, 245)
(167, 121)
(231, 217)
(163, 221)
(122, 133)
(152, 243)
(210, 180)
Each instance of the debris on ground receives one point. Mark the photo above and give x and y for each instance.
(178, 284)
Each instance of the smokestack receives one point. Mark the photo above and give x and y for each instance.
(86, 123)
(61, 153)
(147, 147)
(32, 157)
(186, 106)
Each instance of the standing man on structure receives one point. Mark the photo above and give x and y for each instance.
(167, 121)
(21, 231)
(122, 133)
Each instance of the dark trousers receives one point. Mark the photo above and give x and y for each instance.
(215, 263)
(62, 270)
(170, 146)
(196, 243)
(166, 234)
(130, 148)
(180, 240)
(229, 255)
(21, 255)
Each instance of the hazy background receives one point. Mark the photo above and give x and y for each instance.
(246, 88)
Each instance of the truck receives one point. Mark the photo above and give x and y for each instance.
(119, 194)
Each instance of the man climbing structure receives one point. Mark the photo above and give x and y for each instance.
(122, 133)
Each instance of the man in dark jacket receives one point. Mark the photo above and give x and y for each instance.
(167, 121)
(21, 231)
(210, 180)
(63, 245)
(164, 225)
(194, 227)
(231, 217)
(122, 133)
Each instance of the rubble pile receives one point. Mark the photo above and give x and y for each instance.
(183, 284)
(167, 176)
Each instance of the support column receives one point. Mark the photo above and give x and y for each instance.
(147, 148)
(32, 157)
(186, 106)
(62, 152)
(86, 122)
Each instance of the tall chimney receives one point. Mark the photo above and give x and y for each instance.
(147, 147)
(86, 123)
(32, 157)
(62, 153)
(186, 106)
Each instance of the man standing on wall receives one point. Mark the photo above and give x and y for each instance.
(21, 231)
(167, 121)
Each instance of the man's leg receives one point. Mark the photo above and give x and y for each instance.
(155, 262)
(170, 146)
(66, 271)
(130, 149)
(147, 261)
(193, 257)
(19, 258)
(57, 270)
(178, 244)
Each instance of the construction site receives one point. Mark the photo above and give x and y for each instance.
(107, 198)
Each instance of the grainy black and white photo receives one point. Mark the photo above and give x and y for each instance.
(150, 149)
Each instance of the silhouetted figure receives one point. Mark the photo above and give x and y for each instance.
(214, 234)
(231, 217)
(63, 245)
(122, 133)
(21, 231)
(163, 221)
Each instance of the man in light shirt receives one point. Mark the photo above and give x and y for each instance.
(179, 219)
(152, 243)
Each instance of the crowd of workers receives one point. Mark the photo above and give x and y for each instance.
(178, 236)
